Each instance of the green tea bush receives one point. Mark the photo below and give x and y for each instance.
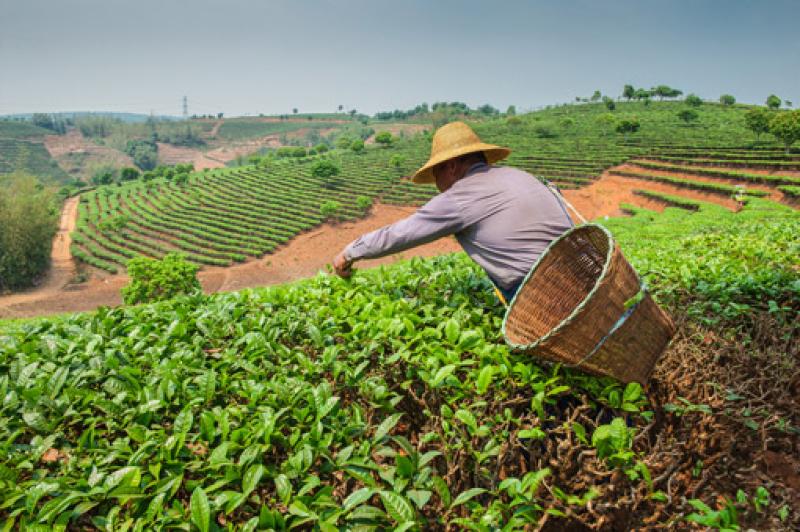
(157, 280)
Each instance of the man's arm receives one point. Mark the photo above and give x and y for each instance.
(437, 218)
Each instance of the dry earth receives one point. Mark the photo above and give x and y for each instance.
(78, 156)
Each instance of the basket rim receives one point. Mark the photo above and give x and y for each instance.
(566, 321)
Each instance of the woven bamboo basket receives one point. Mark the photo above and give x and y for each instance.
(583, 305)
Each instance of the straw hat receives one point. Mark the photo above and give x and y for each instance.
(453, 140)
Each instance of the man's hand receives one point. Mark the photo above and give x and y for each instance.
(342, 266)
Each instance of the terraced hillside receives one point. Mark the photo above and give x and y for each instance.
(229, 215)
(22, 148)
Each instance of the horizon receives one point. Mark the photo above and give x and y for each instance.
(244, 58)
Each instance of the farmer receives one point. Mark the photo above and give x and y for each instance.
(504, 218)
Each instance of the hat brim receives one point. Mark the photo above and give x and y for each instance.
(493, 154)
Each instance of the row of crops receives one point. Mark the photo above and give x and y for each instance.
(226, 216)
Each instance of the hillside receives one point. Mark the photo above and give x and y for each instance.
(390, 401)
(232, 215)
(22, 148)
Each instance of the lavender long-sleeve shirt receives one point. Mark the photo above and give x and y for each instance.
(504, 218)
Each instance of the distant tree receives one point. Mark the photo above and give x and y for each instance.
(341, 107)
(104, 176)
(43, 120)
(688, 115)
(757, 121)
(357, 145)
(787, 103)
(610, 104)
(353, 112)
(628, 92)
(727, 99)
(773, 102)
(219, 115)
(665, 91)
(511, 111)
(785, 126)
(693, 100)
(384, 138)
(596, 96)
(627, 126)
(128, 174)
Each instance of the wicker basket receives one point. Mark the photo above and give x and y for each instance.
(571, 309)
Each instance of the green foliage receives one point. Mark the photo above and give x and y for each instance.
(363, 203)
(688, 115)
(609, 102)
(126, 174)
(693, 100)
(143, 152)
(773, 102)
(330, 209)
(28, 222)
(757, 120)
(157, 280)
(384, 138)
(321, 148)
(628, 92)
(357, 146)
(325, 168)
(727, 99)
(785, 126)
(627, 126)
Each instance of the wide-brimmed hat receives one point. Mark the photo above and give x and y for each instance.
(453, 140)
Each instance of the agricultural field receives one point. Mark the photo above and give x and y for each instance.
(236, 214)
(391, 401)
(22, 148)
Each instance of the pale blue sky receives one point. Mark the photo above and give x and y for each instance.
(248, 56)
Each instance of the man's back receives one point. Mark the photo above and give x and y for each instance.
(509, 216)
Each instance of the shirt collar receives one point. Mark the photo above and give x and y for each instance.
(477, 167)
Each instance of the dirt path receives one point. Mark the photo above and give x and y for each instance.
(62, 268)
(303, 257)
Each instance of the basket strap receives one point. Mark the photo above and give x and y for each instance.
(562, 199)
(625, 315)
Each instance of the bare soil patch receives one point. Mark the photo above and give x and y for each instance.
(77, 155)
(604, 196)
(169, 154)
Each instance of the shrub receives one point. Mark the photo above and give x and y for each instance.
(513, 120)
(357, 145)
(628, 125)
(128, 174)
(688, 115)
(157, 280)
(727, 99)
(363, 203)
(693, 100)
(610, 104)
(385, 138)
(329, 209)
(397, 160)
(321, 148)
(327, 170)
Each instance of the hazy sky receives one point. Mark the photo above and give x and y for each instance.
(249, 56)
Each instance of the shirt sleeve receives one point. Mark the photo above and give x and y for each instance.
(437, 218)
